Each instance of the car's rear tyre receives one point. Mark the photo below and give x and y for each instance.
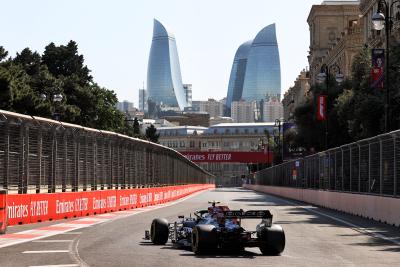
(204, 239)
(272, 240)
(159, 231)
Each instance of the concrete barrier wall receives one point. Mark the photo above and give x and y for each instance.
(384, 209)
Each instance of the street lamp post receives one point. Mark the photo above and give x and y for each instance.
(383, 20)
(277, 138)
(56, 100)
(324, 76)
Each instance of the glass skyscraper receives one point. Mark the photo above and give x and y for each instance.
(164, 81)
(236, 80)
(256, 71)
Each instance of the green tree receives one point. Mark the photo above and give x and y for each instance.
(151, 134)
(66, 61)
(136, 126)
(3, 53)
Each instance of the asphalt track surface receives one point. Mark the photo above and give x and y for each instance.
(314, 237)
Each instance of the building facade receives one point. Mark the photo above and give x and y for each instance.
(164, 81)
(371, 37)
(335, 36)
(227, 137)
(213, 107)
(296, 95)
(272, 110)
(188, 94)
(143, 100)
(126, 107)
(244, 111)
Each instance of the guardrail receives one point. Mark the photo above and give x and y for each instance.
(369, 166)
(39, 155)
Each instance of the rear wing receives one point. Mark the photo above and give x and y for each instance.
(250, 214)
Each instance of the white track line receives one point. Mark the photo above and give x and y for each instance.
(71, 233)
(53, 241)
(44, 251)
(59, 265)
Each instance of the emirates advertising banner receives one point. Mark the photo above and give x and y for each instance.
(321, 107)
(377, 71)
(220, 156)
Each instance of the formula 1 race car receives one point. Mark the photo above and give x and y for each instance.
(218, 227)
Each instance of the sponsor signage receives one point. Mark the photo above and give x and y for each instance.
(321, 107)
(220, 156)
(32, 208)
(377, 71)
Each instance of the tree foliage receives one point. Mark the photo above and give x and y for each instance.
(29, 82)
(151, 134)
(355, 110)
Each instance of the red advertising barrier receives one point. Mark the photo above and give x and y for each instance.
(3, 211)
(32, 208)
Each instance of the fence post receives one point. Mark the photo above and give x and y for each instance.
(359, 167)
(7, 155)
(341, 148)
(394, 167)
(351, 169)
(380, 167)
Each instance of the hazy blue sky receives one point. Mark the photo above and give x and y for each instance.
(115, 36)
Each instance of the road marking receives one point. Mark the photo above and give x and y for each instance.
(351, 225)
(53, 241)
(59, 265)
(71, 233)
(44, 251)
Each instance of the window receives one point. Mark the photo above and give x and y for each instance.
(227, 131)
(256, 131)
(246, 131)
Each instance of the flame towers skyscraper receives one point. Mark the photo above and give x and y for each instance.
(164, 81)
(256, 71)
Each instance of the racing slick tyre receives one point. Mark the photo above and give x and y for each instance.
(272, 240)
(204, 239)
(159, 231)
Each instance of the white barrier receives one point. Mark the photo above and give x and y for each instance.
(384, 209)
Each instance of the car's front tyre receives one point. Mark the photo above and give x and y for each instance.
(204, 239)
(159, 231)
(272, 240)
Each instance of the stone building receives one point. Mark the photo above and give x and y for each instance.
(371, 37)
(336, 35)
(296, 95)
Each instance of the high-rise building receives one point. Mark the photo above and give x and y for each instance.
(256, 69)
(143, 100)
(126, 107)
(164, 81)
(188, 94)
(211, 106)
(263, 71)
(272, 109)
(243, 111)
(236, 80)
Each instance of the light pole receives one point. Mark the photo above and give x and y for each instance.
(383, 20)
(56, 100)
(277, 136)
(324, 76)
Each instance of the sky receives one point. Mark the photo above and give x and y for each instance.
(115, 36)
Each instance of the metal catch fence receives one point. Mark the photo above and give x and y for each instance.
(40, 155)
(370, 166)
